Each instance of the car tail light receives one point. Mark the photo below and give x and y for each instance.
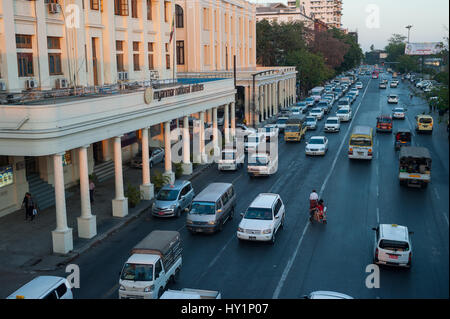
(350, 151)
(376, 252)
(409, 257)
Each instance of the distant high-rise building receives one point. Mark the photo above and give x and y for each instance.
(328, 11)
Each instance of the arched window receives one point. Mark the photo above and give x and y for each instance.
(179, 16)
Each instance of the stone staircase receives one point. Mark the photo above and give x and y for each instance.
(105, 171)
(42, 192)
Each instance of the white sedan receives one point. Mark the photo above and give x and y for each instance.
(355, 90)
(344, 114)
(359, 85)
(332, 125)
(317, 145)
(398, 113)
(317, 112)
(392, 98)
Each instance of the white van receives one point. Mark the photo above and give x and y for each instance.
(254, 142)
(44, 287)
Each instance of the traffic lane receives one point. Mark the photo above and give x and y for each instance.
(394, 210)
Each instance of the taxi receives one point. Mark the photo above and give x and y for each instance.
(392, 245)
(424, 123)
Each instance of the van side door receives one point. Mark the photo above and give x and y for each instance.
(159, 276)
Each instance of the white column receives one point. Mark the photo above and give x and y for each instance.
(62, 235)
(209, 117)
(202, 137)
(168, 154)
(214, 118)
(269, 90)
(187, 165)
(147, 188)
(261, 102)
(87, 224)
(120, 203)
(226, 123)
(233, 119)
(274, 98)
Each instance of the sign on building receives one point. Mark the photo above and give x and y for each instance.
(426, 48)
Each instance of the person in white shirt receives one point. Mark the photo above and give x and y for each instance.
(313, 200)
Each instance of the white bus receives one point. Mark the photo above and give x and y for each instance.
(317, 92)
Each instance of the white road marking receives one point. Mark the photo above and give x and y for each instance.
(378, 191)
(446, 218)
(288, 267)
(378, 215)
(110, 291)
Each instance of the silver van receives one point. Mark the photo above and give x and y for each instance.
(173, 199)
(212, 208)
(44, 287)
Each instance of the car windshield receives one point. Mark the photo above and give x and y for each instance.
(399, 110)
(384, 120)
(292, 128)
(322, 104)
(203, 208)
(316, 141)
(343, 102)
(259, 161)
(228, 155)
(394, 245)
(426, 120)
(302, 104)
(315, 111)
(137, 272)
(281, 121)
(258, 213)
(167, 195)
(342, 111)
(332, 121)
(358, 141)
(310, 119)
(393, 96)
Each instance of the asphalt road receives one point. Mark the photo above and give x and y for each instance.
(306, 257)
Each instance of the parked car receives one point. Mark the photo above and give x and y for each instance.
(332, 124)
(262, 219)
(156, 155)
(317, 145)
(392, 245)
(173, 199)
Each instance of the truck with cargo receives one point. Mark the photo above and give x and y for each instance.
(188, 293)
(295, 129)
(154, 262)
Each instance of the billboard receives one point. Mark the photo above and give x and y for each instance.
(426, 48)
(383, 55)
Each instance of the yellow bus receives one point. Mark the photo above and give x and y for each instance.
(360, 145)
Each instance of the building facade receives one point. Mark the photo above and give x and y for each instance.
(328, 11)
(280, 13)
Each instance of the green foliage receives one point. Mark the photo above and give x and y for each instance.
(133, 194)
(159, 180)
(442, 97)
(442, 77)
(178, 170)
(407, 63)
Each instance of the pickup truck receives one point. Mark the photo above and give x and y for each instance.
(188, 293)
(154, 262)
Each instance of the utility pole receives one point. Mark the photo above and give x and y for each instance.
(409, 29)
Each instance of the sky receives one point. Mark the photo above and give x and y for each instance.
(377, 20)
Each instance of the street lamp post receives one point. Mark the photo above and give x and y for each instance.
(409, 29)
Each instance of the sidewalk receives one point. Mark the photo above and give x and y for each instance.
(27, 245)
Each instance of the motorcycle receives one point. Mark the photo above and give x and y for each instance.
(318, 216)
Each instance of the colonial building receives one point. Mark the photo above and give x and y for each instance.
(85, 84)
(281, 13)
(327, 11)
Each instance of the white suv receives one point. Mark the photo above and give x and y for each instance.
(392, 245)
(262, 219)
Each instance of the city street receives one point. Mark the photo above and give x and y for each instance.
(308, 257)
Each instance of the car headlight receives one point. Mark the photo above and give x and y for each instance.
(212, 222)
(122, 287)
(149, 288)
(322, 148)
(173, 206)
(241, 230)
(188, 221)
(267, 231)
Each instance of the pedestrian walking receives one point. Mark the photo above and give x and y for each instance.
(30, 206)
(91, 190)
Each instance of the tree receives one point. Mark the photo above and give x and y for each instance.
(332, 49)
(407, 63)
(372, 47)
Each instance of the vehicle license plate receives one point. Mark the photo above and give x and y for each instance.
(252, 237)
(360, 153)
(393, 256)
(161, 213)
(417, 176)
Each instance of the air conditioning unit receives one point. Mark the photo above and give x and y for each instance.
(123, 76)
(54, 8)
(31, 84)
(2, 86)
(62, 84)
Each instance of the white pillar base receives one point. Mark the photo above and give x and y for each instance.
(120, 207)
(62, 241)
(187, 168)
(147, 191)
(171, 176)
(197, 158)
(87, 227)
